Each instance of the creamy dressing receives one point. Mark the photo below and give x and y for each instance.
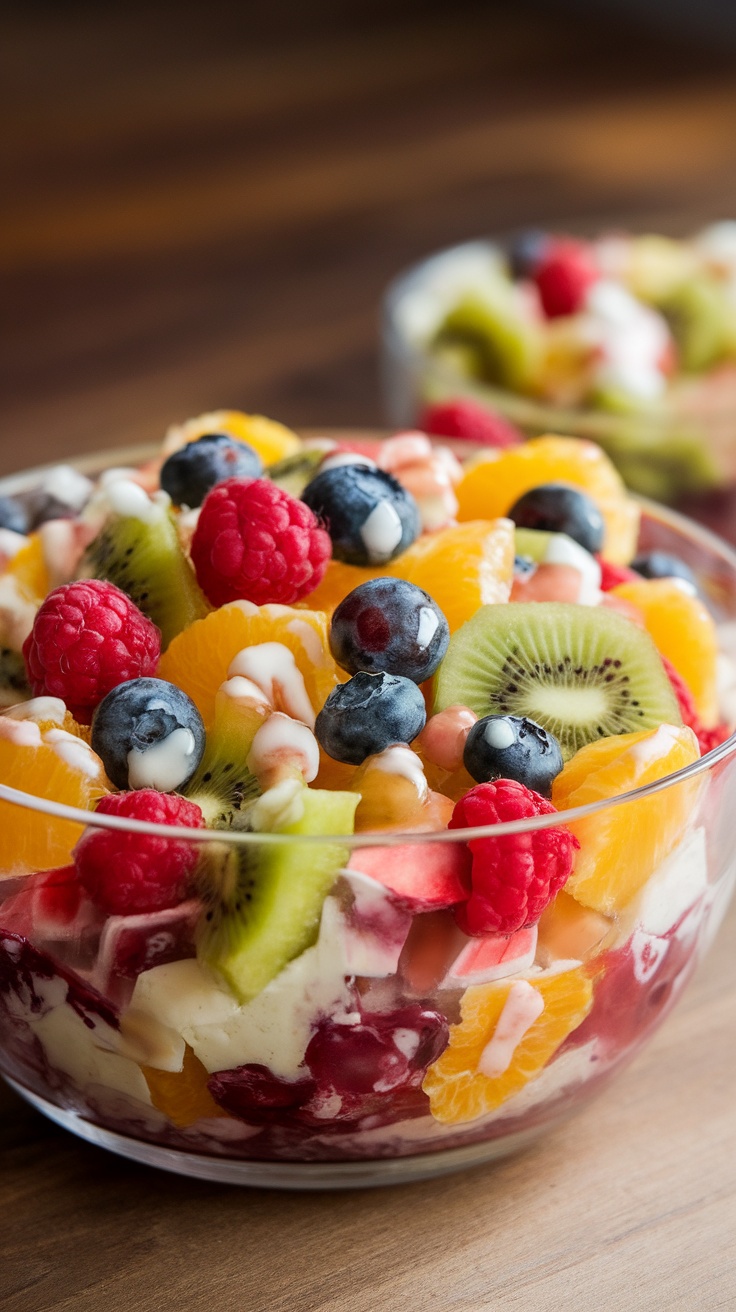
(21, 733)
(282, 744)
(271, 666)
(129, 499)
(41, 709)
(240, 689)
(74, 752)
(402, 761)
(381, 532)
(164, 765)
(10, 545)
(68, 486)
(522, 1008)
(562, 550)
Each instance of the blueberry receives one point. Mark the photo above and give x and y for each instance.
(370, 517)
(148, 734)
(13, 515)
(559, 508)
(661, 565)
(190, 473)
(392, 626)
(511, 747)
(367, 714)
(525, 252)
(524, 566)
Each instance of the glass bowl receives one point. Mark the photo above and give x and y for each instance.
(112, 1029)
(686, 448)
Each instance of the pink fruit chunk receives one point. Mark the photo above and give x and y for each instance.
(493, 957)
(422, 876)
(432, 945)
(51, 906)
(374, 926)
(548, 583)
(131, 944)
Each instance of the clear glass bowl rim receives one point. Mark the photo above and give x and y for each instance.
(133, 455)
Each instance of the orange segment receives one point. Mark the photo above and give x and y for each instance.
(198, 659)
(272, 441)
(182, 1095)
(683, 629)
(28, 568)
(458, 1090)
(621, 846)
(53, 765)
(495, 480)
(461, 567)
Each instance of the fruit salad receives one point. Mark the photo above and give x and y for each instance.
(629, 340)
(351, 797)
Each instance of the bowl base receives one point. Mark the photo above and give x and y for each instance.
(283, 1175)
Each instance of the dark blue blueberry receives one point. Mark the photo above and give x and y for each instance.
(511, 747)
(525, 252)
(367, 714)
(148, 734)
(190, 473)
(524, 566)
(558, 508)
(389, 625)
(661, 565)
(370, 517)
(13, 515)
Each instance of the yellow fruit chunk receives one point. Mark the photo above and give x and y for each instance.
(52, 764)
(394, 794)
(683, 630)
(458, 1089)
(495, 480)
(620, 846)
(28, 568)
(461, 567)
(182, 1095)
(198, 659)
(272, 441)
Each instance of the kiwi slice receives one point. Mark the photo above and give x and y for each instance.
(701, 322)
(294, 472)
(582, 672)
(143, 557)
(223, 786)
(506, 346)
(263, 903)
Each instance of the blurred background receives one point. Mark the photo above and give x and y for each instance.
(202, 204)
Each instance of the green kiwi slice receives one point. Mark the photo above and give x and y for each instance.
(144, 558)
(582, 672)
(263, 903)
(294, 472)
(223, 786)
(505, 346)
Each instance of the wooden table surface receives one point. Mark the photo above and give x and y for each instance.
(200, 208)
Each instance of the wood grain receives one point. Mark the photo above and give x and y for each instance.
(200, 208)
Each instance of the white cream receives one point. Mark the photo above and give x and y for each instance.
(165, 765)
(271, 666)
(10, 544)
(562, 550)
(522, 1008)
(381, 532)
(278, 807)
(68, 486)
(403, 761)
(282, 742)
(17, 613)
(499, 734)
(239, 689)
(129, 499)
(21, 733)
(346, 458)
(74, 752)
(48, 709)
(78, 1051)
(427, 627)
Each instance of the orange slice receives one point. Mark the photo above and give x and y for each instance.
(182, 1095)
(28, 568)
(495, 480)
(461, 567)
(198, 659)
(272, 441)
(52, 764)
(621, 846)
(458, 1089)
(683, 629)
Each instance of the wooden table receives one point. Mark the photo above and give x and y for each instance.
(201, 207)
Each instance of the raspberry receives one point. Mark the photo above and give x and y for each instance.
(130, 873)
(564, 275)
(87, 638)
(470, 421)
(612, 575)
(255, 542)
(513, 877)
(707, 738)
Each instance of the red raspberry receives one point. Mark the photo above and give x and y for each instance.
(470, 421)
(255, 542)
(87, 638)
(707, 738)
(612, 575)
(564, 275)
(130, 873)
(513, 877)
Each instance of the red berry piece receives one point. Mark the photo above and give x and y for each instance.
(708, 739)
(255, 542)
(612, 575)
(131, 873)
(470, 421)
(254, 1094)
(514, 876)
(87, 638)
(564, 275)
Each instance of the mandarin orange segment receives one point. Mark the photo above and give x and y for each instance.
(458, 1089)
(272, 441)
(339, 580)
(28, 568)
(57, 767)
(462, 567)
(198, 659)
(496, 479)
(621, 846)
(182, 1095)
(568, 931)
(684, 631)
